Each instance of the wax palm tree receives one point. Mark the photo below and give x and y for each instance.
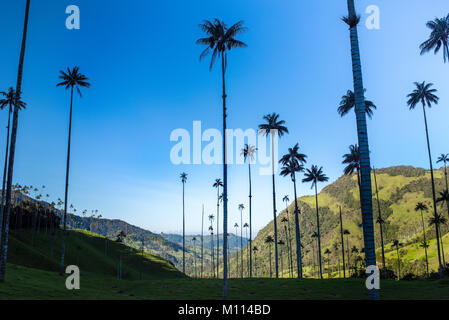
(439, 37)
(217, 184)
(425, 95)
(12, 149)
(241, 208)
(352, 20)
(281, 243)
(284, 220)
(274, 127)
(183, 177)
(314, 237)
(269, 240)
(211, 230)
(248, 155)
(379, 219)
(286, 199)
(194, 239)
(246, 226)
(291, 168)
(255, 249)
(315, 175)
(397, 244)
(342, 244)
(347, 233)
(444, 158)
(423, 207)
(438, 221)
(352, 161)
(220, 39)
(236, 226)
(328, 252)
(72, 79)
(8, 101)
(347, 103)
(293, 162)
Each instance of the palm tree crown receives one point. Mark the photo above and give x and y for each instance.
(439, 37)
(290, 168)
(183, 177)
(10, 99)
(73, 79)
(315, 175)
(248, 152)
(421, 206)
(352, 159)
(347, 103)
(424, 94)
(220, 39)
(218, 183)
(293, 154)
(273, 124)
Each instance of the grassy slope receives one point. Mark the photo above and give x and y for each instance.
(27, 283)
(400, 188)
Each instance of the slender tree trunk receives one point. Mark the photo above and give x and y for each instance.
(225, 187)
(433, 193)
(342, 245)
(319, 233)
(183, 233)
(445, 175)
(365, 167)
(380, 220)
(241, 244)
(12, 150)
(274, 209)
(202, 242)
(61, 270)
(250, 223)
(289, 243)
(271, 273)
(218, 229)
(425, 242)
(442, 247)
(5, 172)
(298, 232)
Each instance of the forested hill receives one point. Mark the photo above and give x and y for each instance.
(400, 189)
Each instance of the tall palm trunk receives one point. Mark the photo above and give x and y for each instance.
(250, 223)
(288, 251)
(61, 269)
(202, 241)
(425, 242)
(225, 186)
(241, 244)
(13, 149)
(289, 243)
(5, 171)
(271, 273)
(274, 209)
(342, 245)
(319, 233)
(380, 220)
(433, 191)
(298, 233)
(218, 228)
(362, 133)
(183, 231)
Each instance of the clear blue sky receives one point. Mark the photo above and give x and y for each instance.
(143, 64)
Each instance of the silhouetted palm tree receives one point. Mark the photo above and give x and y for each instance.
(379, 219)
(397, 244)
(425, 95)
(70, 80)
(316, 175)
(290, 260)
(293, 162)
(274, 127)
(219, 40)
(12, 149)
(248, 155)
(286, 199)
(347, 103)
(352, 161)
(438, 221)
(241, 208)
(439, 37)
(328, 252)
(352, 20)
(269, 240)
(8, 101)
(444, 158)
(217, 184)
(211, 229)
(183, 177)
(423, 207)
(342, 244)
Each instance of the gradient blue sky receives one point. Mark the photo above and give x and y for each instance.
(142, 61)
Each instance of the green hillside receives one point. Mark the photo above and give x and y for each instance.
(400, 188)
